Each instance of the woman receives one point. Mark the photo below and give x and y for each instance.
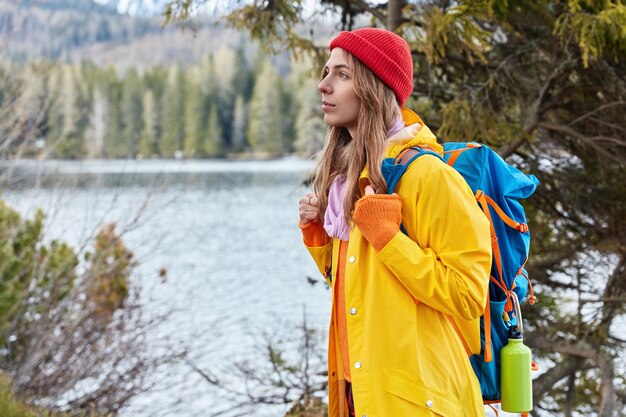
(393, 348)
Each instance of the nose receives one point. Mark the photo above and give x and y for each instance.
(324, 86)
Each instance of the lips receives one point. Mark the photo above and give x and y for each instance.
(326, 106)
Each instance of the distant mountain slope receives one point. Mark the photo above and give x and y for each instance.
(75, 30)
(164, 48)
(87, 6)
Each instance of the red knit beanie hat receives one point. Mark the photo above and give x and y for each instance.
(383, 52)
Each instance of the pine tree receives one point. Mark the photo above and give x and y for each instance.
(98, 121)
(213, 143)
(195, 134)
(149, 134)
(243, 77)
(225, 70)
(238, 137)
(69, 143)
(310, 127)
(208, 79)
(173, 108)
(132, 111)
(155, 79)
(26, 116)
(265, 126)
(54, 117)
(115, 145)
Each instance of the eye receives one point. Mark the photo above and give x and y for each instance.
(324, 73)
(344, 75)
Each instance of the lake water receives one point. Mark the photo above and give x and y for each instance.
(227, 234)
(236, 269)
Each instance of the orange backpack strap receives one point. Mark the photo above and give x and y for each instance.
(489, 404)
(482, 201)
(531, 293)
(522, 227)
(458, 332)
(455, 153)
(454, 156)
(487, 325)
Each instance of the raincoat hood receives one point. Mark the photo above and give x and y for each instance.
(415, 133)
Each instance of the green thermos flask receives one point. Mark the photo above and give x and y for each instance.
(515, 370)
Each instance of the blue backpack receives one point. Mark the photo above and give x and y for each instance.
(497, 186)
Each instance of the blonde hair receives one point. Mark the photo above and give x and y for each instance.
(345, 156)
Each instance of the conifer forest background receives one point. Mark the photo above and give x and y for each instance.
(542, 81)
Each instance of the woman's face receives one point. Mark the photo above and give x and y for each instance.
(340, 103)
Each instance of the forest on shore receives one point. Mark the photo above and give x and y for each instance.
(227, 104)
(78, 80)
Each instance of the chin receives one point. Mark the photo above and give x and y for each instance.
(332, 123)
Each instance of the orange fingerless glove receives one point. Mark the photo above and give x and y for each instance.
(314, 234)
(378, 217)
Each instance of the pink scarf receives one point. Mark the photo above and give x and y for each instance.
(334, 220)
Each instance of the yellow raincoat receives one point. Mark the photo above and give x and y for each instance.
(405, 355)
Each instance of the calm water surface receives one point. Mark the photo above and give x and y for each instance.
(227, 234)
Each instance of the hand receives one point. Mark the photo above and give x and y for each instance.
(378, 217)
(309, 208)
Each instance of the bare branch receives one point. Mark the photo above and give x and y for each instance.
(596, 110)
(591, 141)
(300, 382)
(205, 375)
(547, 380)
(363, 5)
(615, 288)
(603, 362)
(533, 115)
